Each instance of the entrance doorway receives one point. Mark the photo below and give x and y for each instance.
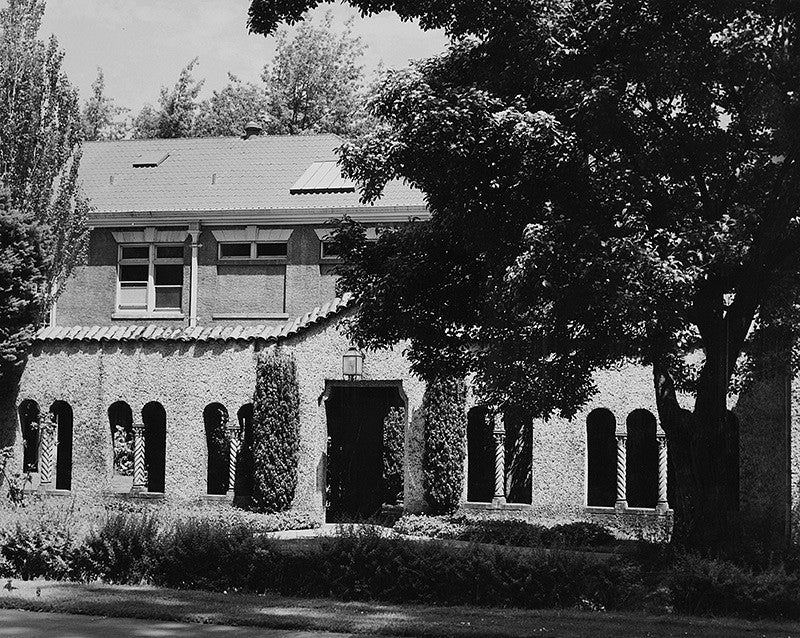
(362, 456)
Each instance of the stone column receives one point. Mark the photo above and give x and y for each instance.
(662, 506)
(622, 472)
(47, 452)
(139, 482)
(233, 456)
(499, 460)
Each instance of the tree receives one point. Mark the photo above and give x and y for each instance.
(607, 181)
(43, 219)
(315, 82)
(227, 111)
(99, 116)
(176, 112)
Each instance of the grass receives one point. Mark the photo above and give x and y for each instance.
(279, 612)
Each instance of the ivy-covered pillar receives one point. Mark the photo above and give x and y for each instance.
(139, 480)
(622, 472)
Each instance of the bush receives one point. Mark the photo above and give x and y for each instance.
(444, 407)
(39, 551)
(709, 586)
(203, 554)
(578, 534)
(276, 432)
(121, 550)
(393, 454)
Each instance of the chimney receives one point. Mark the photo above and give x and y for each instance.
(252, 128)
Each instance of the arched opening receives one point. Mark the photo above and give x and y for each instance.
(154, 418)
(215, 418)
(519, 454)
(244, 465)
(480, 456)
(642, 453)
(120, 421)
(29, 420)
(61, 412)
(601, 452)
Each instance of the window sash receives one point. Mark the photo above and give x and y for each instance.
(253, 247)
(143, 295)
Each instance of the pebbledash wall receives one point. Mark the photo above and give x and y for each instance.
(186, 375)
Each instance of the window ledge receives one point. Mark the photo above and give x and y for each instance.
(249, 316)
(478, 505)
(247, 261)
(637, 511)
(216, 498)
(147, 315)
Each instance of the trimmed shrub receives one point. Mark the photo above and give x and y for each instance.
(203, 554)
(393, 453)
(276, 432)
(444, 407)
(709, 586)
(121, 550)
(578, 534)
(39, 551)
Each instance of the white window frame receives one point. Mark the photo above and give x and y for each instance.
(253, 251)
(151, 262)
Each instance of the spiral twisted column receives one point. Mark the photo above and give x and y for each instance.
(662, 506)
(233, 456)
(47, 460)
(622, 472)
(499, 460)
(139, 481)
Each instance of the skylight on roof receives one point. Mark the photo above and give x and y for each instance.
(322, 177)
(149, 160)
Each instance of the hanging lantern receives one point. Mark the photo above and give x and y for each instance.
(352, 364)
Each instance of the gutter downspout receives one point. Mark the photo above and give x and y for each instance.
(194, 233)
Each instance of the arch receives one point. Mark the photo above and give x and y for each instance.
(154, 418)
(29, 420)
(519, 454)
(61, 413)
(480, 456)
(215, 419)
(120, 422)
(642, 453)
(244, 466)
(601, 458)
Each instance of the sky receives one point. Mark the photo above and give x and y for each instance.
(143, 44)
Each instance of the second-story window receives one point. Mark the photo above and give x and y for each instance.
(150, 277)
(253, 250)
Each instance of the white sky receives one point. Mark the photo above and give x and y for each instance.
(143, 44)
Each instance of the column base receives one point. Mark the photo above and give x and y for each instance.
(138, 489)
(497, 501)
(45, 487)
(621, 506)
(662, 507)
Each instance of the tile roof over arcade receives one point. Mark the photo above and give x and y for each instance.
(219, 175)
(209, 333)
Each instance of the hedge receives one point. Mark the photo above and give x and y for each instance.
(444, 407)
(276, 432)
(393, 454)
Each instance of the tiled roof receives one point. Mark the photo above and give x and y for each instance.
(217, 174)
(209, 333)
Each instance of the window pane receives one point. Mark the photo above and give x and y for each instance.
(135, 252)
(168, 297)
(130, 272)
(133, 295)
(234, 250)
(168, 274)
(271, 250)
(169, 252)
(329, 249)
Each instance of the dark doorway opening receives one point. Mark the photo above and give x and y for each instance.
(154, 418)
(359, 451)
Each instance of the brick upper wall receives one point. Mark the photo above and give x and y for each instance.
(260, 292)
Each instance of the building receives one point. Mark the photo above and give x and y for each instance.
(204, 252)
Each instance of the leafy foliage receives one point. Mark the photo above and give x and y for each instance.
(100, 115)
(43, 221)
(394, 426)
(276, 432)
(123, 548)
(175, 114)
(444, 406)
(227, 111)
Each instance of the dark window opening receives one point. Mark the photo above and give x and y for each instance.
(215, 419)
(235, 250)
(480, 456)
(120, 421)
(244, 465)
(62, 416)
(271, 249)
(601, 450)
(154, 418)
(30, 419)
(642, 459)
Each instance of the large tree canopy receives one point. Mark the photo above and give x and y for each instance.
(43, 217)
(607, 180)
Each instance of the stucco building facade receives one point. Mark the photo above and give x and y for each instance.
(205, 252)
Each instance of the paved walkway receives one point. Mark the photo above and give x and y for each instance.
(32, 624)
